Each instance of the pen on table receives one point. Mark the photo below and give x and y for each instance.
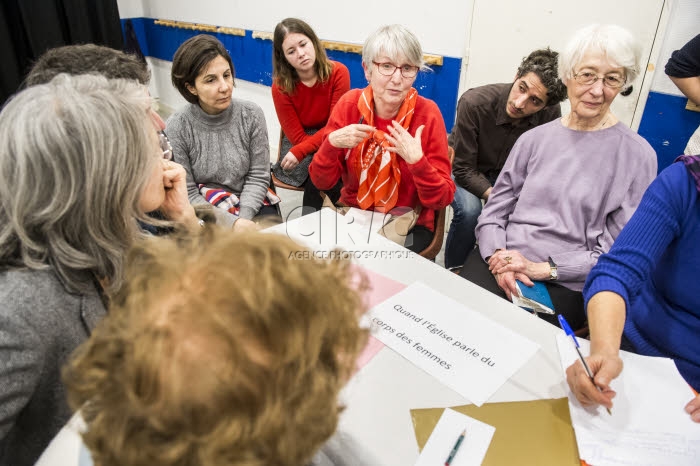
(453, 453)
(570, 333)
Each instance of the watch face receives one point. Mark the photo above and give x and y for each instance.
(553, 273)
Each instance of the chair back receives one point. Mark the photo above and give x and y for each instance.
(435, 245)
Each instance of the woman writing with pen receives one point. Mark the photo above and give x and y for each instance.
(642, 295)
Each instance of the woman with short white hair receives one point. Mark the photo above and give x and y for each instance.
(568, 186)
(387, 143)
(81, 162)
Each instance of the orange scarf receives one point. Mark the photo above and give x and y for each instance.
(377, 168)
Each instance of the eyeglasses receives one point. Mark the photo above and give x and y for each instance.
(612, 81)
(165, 146)
(388, 69)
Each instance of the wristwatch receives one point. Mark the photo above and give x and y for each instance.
(553, 275)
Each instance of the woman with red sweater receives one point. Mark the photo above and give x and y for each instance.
(387, 143)
(305, 88)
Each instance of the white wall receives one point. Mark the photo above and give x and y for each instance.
(130, 8)
(683, 25)
(440, 25)
(443, 26)
(494, 56)
(439, 33)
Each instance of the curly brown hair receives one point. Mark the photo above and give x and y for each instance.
(284, 74)
(221, 350)
(543, 63)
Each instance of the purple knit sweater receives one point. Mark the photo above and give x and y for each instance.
(566, 194)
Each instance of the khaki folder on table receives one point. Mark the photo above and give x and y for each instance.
(527, 432)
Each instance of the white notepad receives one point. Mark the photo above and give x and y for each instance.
(648, 425)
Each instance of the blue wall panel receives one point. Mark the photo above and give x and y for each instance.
(667, 126)
(665, 123)
(252, 59)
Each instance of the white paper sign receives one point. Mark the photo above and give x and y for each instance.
(466, 351)
(471, 450)
(648, 425)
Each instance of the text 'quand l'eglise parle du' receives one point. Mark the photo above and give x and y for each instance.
(431, 328)
(437, 331)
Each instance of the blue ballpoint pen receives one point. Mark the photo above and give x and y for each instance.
(570, 333)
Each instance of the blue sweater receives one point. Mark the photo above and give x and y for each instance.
(655, 265)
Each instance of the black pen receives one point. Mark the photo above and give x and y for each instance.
(453, 453)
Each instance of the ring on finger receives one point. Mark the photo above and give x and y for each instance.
(508, 259)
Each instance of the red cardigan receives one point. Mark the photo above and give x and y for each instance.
(426, 182)
(309, 108)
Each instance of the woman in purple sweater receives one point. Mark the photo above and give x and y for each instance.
(642, 296)
(569, 186)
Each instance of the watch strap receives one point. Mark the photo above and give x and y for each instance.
(553, 272)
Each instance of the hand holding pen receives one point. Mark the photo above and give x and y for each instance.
(589, 380)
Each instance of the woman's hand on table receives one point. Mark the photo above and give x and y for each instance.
(407, 146)
(511, 260)
(605, 367)
(289, 161)
(693, 408)
(350, 136)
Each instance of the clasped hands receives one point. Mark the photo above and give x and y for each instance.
(406, 146)
(509, 265)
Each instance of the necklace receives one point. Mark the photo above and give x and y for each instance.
(602, 125)
(596, 128)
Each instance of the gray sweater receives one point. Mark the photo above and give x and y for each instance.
(41, 323)
(227, 151)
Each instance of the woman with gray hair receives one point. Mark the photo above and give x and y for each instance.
(387, 143)
(569, 186)
(80, 163)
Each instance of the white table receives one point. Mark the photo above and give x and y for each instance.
(380, 396)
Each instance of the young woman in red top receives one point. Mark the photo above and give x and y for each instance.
(306, 86)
